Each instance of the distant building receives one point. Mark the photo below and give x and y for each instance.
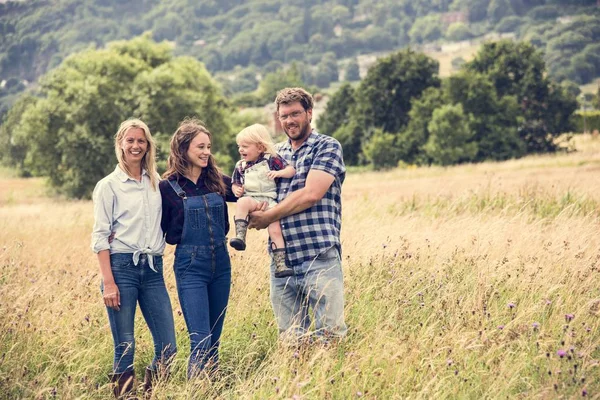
(455, 16)
(338, 30)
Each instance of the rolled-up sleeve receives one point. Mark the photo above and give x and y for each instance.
(103, 198)
(328, 158)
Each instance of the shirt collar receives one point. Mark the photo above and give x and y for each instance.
(248, 164)
(122, 175)
(309, 142)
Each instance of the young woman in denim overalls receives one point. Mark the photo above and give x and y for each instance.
(129, 242)
(195, 219)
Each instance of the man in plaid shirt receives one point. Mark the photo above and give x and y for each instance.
(310, 212)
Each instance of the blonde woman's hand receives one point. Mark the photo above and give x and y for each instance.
(112, 296)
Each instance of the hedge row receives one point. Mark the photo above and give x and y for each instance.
(592, 121)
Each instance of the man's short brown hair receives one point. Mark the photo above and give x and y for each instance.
(292, 95)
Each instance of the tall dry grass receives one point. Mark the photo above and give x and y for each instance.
(477, 281)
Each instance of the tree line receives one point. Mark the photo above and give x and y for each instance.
(501, 105)
(247, 39)
(65, 129)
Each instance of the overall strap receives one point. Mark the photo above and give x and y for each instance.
(175, 185)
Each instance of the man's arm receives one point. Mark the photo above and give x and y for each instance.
(317, 184)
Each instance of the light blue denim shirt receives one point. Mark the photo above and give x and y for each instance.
(132, 211)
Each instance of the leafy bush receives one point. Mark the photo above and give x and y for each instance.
(450, 137)
(543, 12)
(509, 24)
(380, 150)
(591, 121)
(458, 31)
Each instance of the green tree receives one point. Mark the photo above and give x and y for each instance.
(69, 129)
(13, 142)
(450, 139)
(494, 121)
(509, 24)
(338, 109)
(352, 71)
(385, 94)
(340, 14)
(571, 88)
(380, 150)
(477, 8)
(411, 140)
(499, 9)
(350, 136)
(425, 29)
(275, 81)
(327, 70)
(518, 69)
(458, 31)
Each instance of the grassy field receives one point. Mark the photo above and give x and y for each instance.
(477, 281)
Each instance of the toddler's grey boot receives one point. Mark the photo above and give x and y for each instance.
(281, 270)
(239, 241)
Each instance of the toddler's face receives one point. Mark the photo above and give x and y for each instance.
(250, 151)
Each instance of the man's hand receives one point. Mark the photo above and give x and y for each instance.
(259, 220)
(258, 217)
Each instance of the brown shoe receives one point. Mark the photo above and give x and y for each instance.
(123, 385)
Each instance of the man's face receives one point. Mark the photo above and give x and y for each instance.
(295, 121)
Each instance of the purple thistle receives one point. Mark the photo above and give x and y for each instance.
(561, 353)
(500, 327)
(569, 317)
(511, 305)
(584, 392)
(536, 325)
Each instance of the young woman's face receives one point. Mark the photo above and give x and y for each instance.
(134, 145)
(250, 151)
(199, 151)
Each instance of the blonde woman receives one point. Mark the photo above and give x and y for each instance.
(254, 179)
(127, 209)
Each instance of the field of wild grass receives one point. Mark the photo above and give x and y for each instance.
(477, 281)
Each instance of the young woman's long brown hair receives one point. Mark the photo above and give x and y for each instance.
(178, 162)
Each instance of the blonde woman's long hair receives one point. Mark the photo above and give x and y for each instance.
(259, 135)
(178, 162)
(149, 159)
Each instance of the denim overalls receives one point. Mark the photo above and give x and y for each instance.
(203, 275)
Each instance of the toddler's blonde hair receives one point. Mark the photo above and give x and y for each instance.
(257, 134)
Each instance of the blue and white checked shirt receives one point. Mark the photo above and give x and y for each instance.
(316, 229)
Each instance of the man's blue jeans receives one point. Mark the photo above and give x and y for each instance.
(317, 284)
(140, 284)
